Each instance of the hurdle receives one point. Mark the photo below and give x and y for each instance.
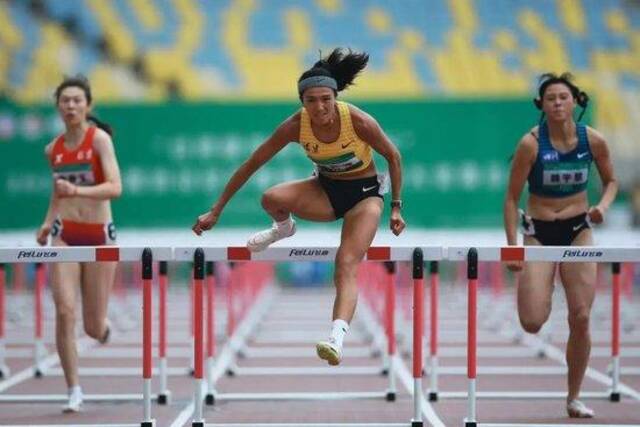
(96, 254)
(241, 254)
(535, 253)
(4, 369)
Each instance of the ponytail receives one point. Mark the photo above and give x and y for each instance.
(100, 124)
(340, 66)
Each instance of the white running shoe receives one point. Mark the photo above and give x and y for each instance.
(577, 409)
(262, 239)
(74, 403)
(329, 351)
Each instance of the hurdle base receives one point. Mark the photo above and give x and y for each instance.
(37, 373)
(390, 396)
(5, 372)
(417, 423)
(241, 353)
(470, 423)
(151, 423)
(210, 399)
(164, 398)
(614, 396)
(384, 372)
(231, 373)
(197, 424)
(433, 396)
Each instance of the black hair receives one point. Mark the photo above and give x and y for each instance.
(566, 78)
(343, 66)
(81, 81)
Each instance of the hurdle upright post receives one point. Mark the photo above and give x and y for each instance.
(147, 324)
(198, 278)
(39, 348)
(211, 331)
(615, 332)
(472, 301)
(4, 369)
(390, 327)
(418, 332)
(434, 281)
(165, 395)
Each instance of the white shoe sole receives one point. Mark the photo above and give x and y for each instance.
(70, 409)
(255, 247)
(326, 352)
(579, 411)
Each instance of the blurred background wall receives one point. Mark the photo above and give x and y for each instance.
(192, 86)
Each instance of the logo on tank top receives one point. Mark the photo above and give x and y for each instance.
(84, 155)
(58, 158)
(550, 156)
(347, 144)
(309, 147)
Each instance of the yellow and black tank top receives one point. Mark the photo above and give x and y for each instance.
(346, 155)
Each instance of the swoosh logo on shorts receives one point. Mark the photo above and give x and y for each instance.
(577, 227)
(365, 189)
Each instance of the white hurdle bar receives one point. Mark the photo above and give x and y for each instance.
(537, 253)
(97, 254)
(288, 254)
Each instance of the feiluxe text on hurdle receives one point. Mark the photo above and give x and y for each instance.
(308, 252)
(581, 253)
(37, 254)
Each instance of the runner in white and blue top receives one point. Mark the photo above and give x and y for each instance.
(555, 158)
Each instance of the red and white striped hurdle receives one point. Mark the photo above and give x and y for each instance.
(531, 254)
(92, 254)
(416, 255)
(200, 256)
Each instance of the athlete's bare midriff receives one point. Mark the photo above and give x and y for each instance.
(85, 210)
(550, 209)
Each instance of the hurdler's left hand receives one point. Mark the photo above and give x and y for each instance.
(396, 222)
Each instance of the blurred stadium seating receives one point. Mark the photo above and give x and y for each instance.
(154, 50)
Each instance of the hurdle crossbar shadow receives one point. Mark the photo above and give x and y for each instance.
(206, 392)
(95, 254)
(550, 254)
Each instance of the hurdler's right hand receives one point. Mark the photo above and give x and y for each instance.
(42, 235)
(515, 266)
(205, 222)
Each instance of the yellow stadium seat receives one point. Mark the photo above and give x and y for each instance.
(572, 15)
(378, 20)
(121, 41)
(147, 14)
(10, 35)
